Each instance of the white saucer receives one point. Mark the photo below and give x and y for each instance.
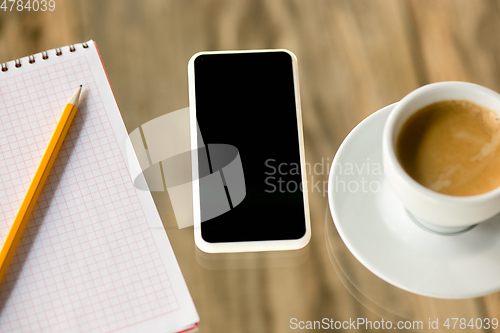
(379, 232)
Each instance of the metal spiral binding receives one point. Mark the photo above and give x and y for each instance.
(45, 55)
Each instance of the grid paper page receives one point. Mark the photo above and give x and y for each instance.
(92, 258)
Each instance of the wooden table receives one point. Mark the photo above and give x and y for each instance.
(355, 56)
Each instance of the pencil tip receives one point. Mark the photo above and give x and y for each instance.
(80, 85)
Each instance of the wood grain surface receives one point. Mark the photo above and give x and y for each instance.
(355, 56)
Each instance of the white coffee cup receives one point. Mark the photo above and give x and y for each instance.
(436, 211)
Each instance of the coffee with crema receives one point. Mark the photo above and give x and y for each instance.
(452, 147)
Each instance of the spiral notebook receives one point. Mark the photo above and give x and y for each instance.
(94, 256)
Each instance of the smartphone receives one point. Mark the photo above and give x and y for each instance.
(249, 101)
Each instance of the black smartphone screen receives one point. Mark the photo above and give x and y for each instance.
(247, 100)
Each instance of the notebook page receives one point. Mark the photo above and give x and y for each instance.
(94, 256)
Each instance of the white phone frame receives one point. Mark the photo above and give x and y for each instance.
(253, 246)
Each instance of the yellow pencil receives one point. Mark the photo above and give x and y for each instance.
(41, 174)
